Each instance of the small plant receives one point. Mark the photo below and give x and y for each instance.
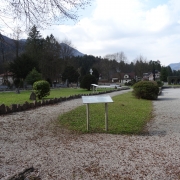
(41, 89)
(146, 90)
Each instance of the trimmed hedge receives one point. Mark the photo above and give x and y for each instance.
(146, 90)
(41, 89)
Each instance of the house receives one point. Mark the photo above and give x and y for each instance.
(5, 78)
(126, 77)
(146, 76)
(123, 77)
(150, 76)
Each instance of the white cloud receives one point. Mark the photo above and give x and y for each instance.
(157, 18)
(137, 27)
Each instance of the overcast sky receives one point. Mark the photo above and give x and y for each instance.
(150, 28)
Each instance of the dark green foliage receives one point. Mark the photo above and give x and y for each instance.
(165, 72)
(49, 81)
(71, 74)
(34, 44)
(87, 81)
(146, 90)
(41, 89)
(130, 83)
(22, 66)
(17, 82)
(50, 64)
(95, 73)
(159, 83)
(33, 76)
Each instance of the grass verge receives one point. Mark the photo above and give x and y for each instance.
(126, 115)
(9, 98)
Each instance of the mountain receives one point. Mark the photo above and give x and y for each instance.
(175, 66)
(66, 49)
(77, 53)
(8, 47)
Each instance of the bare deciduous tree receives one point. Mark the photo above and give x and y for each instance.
(120, 56)
(67, 49)
(16, 40)
(41, 12)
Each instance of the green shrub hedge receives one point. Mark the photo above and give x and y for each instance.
(41, 89)
(146, 90)
(160, 83)
(87, 81)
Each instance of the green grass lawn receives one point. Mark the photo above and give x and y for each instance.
(9, 98)
(126, 115)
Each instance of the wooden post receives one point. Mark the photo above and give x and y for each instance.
(87, 112)
(106, 117)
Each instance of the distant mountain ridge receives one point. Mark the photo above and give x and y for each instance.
(74, 51)
(175, 66)
(8, 46)
(77, 53)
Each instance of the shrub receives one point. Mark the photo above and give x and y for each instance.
(160, 83)
(87, 81)
(130, 83)
(146, 90)
(41, 89)
(33, 76)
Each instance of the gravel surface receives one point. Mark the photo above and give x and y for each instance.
(31, 138)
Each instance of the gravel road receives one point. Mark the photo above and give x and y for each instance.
(31, 138)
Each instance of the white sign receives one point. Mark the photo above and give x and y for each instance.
(97, 99)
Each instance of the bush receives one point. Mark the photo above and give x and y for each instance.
(130, 83)
(33, 76)
(87, 81)
(146, 90)
(160, 83)
(41, 89)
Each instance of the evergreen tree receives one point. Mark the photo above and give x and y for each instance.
(164, 74)
(33, 76)
(34, 44)
(71, 74)
(22, 65)
(50, 63)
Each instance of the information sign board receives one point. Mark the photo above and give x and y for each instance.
(97, 99)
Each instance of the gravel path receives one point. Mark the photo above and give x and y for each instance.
(31, 138)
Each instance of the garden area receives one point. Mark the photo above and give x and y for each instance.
(9, 98)
(127, 115)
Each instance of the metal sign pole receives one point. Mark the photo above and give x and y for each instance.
(97, 99)
(87, 112)
(106, 117)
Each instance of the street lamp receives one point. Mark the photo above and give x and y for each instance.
(154, 63)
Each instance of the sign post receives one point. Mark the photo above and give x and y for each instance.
(106, 117)
(87, 113)
(97, 99)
